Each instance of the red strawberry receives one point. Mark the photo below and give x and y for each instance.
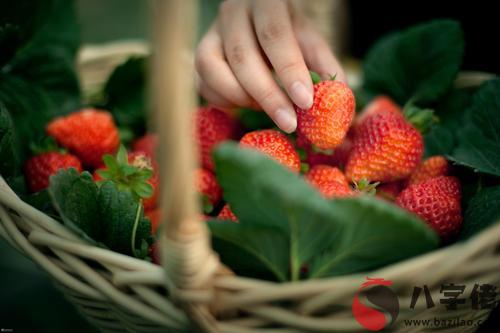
(430, 168)
(389, 191)
(274, 144)
(325, 173)
(325, 124)
(334, 189)
(89, 134)
(213, 126)
(207, 186)
(436, 201)
(154, 254)
(227, 214)
(154, 217)
(147, 144)
(329, 181)
(386, 148)
(378, 105)
(39, 168)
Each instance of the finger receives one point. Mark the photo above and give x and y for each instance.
(274, 30)
(211, 96)
(243, 55)
(318, 55)
(216, 73)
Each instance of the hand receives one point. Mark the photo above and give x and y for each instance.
(248, 38)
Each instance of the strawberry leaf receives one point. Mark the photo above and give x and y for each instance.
(123, 222)
(375, 233)
(483, 210)
(264, 194)
(417, 64)
(75, 198)
(103, 215)
(479, 141)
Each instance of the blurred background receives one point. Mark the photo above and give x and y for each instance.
(29, 301)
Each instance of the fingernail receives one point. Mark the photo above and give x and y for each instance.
(302, 96)
(286, 119)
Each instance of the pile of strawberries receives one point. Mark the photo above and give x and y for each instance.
(339, 153)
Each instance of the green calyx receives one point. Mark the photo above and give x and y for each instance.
(364, 186)
(317, 79)
(126, 176)
(422, 119)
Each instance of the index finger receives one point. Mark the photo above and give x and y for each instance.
(273, 26)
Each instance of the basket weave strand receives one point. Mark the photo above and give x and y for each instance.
(118, 293)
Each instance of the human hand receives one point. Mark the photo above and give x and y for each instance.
(248, 40)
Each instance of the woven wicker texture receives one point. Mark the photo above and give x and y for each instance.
(118, 293)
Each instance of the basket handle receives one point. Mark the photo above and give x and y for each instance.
(185, 246)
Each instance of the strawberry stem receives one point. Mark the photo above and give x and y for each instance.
(422, 119)
(136, 224)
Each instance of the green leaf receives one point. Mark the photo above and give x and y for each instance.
(17, 26)
(125, 93)
(51, 69)
(119, 213)
(479, 142)
(417, 64)
(260, 244)
(75, 198)
(483, 210)
(265, 195)
(374, 233)
(439, 141)
(9, 159)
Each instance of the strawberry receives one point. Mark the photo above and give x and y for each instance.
(389, 191)
(154, 217)
(325, 173)
(154, 253)
(274, 144)
(386, 148)
(325, 124)
(89, 134)
(378, 105)
(436, 201)
(338, 158)
(333, 189)
(136, 172)
(39, 168)
(146, 144)
(213, 126)
(430, 168)
(207, 186)
(329, 181)
(227, 214)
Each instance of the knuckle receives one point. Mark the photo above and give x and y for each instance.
(289, 67)
(236, 54)
(272, 31)
(203, 61)
(267, 96)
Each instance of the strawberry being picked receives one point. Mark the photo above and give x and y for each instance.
(89, 134)
(436, 201)
(326, 122)
(135, 172)
(274, 144)
(39, 168)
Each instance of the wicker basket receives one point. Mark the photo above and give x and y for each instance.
(118, 293)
